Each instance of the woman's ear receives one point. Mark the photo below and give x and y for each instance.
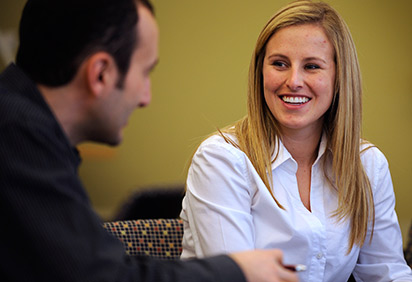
(101, 73)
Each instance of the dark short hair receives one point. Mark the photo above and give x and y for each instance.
(147, 4)
(57, 35)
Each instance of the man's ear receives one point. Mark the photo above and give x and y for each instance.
(101, 73)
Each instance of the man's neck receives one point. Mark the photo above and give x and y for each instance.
(66, 107)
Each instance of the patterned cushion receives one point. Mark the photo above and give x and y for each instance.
(159, 238)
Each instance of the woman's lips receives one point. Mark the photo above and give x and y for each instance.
(294, 100)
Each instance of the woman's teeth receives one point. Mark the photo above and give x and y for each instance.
(295, 100)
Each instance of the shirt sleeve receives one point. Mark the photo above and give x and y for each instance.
(218, 202)
(381, 259)
(51, 233)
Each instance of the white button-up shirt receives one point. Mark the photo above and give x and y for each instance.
(228, 208)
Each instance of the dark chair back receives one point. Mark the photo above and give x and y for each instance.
(152, 202)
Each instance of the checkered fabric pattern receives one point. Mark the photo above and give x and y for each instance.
(159, 238)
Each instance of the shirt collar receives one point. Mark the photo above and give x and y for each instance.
(285, 157)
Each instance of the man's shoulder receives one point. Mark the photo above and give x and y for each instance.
(17, 108)
(19, 99)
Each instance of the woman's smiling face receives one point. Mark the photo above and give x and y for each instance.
(299, 76)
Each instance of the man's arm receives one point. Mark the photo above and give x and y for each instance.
(54, 235)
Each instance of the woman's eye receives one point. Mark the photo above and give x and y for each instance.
(279, 64)
(312, 67)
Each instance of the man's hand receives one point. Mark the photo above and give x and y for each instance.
(263, 266)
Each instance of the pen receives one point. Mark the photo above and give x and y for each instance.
(296, 267)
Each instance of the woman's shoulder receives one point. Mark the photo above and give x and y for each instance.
(372, 157)
(369, 150)
(220, 139)
(220, 144)
(221, 152)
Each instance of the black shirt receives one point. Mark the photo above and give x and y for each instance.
(49, 229)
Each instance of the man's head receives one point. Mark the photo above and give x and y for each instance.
(91, 60)
(115, 104)
(56, 36)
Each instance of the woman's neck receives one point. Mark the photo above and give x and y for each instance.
(302, 145)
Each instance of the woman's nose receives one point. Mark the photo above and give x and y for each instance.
(295, 79)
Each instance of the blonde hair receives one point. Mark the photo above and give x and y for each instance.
(258, 133)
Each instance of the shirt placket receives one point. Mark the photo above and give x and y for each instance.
(318, 225)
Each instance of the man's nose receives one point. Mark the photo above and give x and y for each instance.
(147, 95)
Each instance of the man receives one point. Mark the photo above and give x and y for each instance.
(82, 67)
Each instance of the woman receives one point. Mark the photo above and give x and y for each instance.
(294, 174)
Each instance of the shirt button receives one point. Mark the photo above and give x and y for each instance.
(319, 255)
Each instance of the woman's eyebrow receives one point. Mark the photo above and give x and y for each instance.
(277, 55)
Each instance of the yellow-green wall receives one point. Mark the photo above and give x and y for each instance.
(200, 84)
